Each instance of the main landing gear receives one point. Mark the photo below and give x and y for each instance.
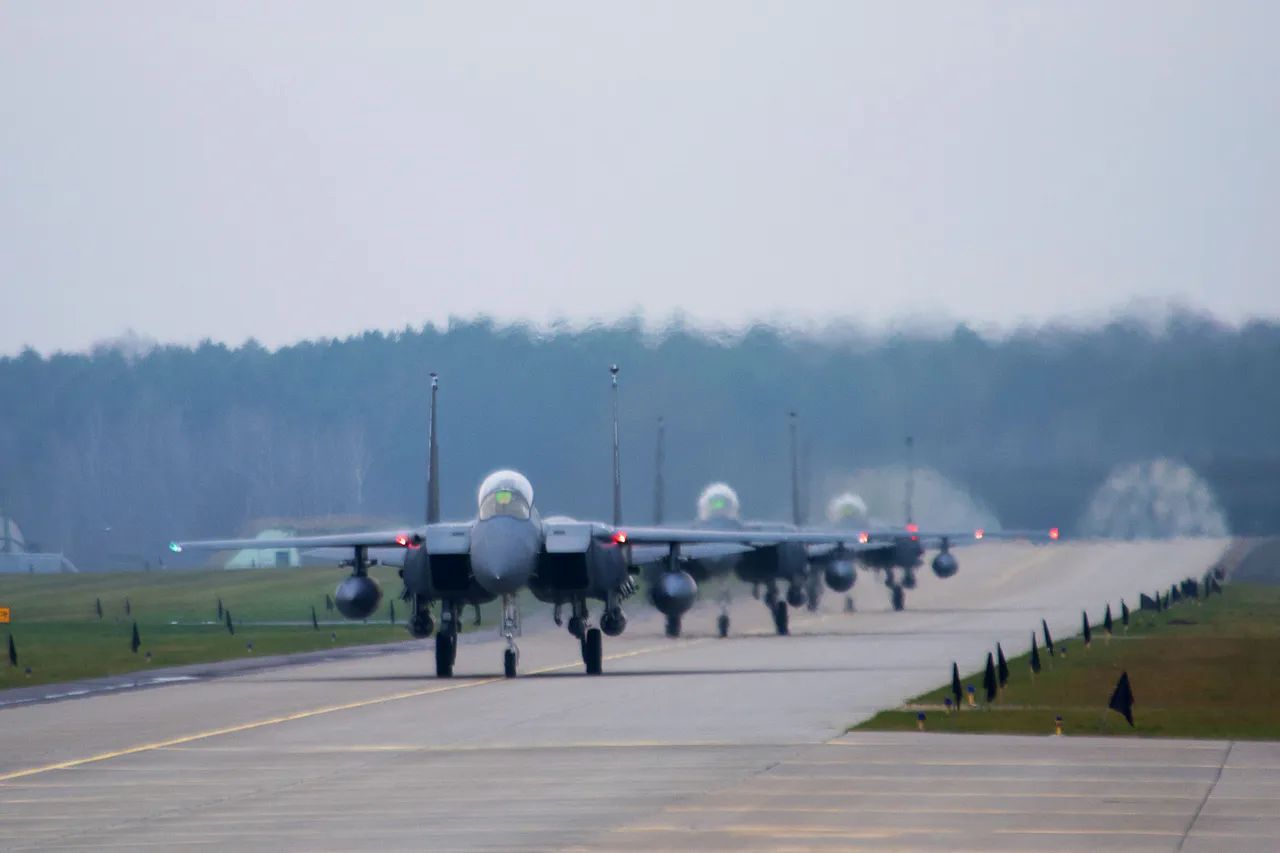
(447, 640)
(897, 595)
(778, 607)
(591, 639)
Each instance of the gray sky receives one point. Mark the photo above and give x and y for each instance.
(289, 170)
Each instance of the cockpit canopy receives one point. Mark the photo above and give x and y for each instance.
(717, 500)
(846, 507)
(505, 493)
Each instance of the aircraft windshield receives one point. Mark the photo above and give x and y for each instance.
(506, 493)
(717, 501)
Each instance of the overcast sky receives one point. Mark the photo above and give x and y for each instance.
(291, 170)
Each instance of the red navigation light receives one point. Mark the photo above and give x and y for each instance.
(979, 533)
(402, 541)
(1053, 533)
(912, 527)
(864, 537)
(620, 537)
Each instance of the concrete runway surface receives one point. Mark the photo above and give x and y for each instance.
(697, 743)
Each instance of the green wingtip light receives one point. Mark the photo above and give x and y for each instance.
(175, 547)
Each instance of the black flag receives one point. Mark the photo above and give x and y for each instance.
(231, 629)
(97, 607)
(989, 678)
(13, 652)
(1048, 640)
(1106, 619)
(328, 603)
(135, 641)
(1124, 613)
(956, 689)
(1002, 666)
(315, 623)
(1088, 634)
(1122, 698)
(219, 608)
(128, 608)
(1035, 654)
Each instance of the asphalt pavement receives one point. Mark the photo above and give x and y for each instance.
(696, 743)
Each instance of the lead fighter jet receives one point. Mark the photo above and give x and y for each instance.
(508, 547)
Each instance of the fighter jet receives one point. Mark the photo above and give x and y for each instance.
(897, 553)
(771, 567)
(508, 546)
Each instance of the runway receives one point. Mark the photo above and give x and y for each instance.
(741, 739)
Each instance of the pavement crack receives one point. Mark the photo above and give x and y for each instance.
(1231, 745)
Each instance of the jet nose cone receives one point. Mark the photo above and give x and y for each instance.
(504, 554)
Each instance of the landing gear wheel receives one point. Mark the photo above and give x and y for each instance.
(780, 618)
(899, 598)
(673, 626)
(509, 659)
(446, 651)
(593, 652)
(722, 625)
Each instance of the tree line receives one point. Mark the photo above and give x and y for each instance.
(108, 454)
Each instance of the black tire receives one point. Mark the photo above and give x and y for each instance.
(722, 625)
(594, 651)
(899, 598)
(781, 618)
(509, 663)
(673, 626)
(446, 651)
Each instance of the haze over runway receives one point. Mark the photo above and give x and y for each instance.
(739, 738)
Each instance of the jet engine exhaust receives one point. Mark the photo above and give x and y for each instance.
(357, 597)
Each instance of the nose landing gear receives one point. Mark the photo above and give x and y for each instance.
(510, 630)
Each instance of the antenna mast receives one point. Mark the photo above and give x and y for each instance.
(433, 457)
(617, 461)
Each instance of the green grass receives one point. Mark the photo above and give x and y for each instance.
(60, 637)
(1198, 670)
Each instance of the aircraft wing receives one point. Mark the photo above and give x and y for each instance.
(643, 553)
(403, 538)
(384, 556)
(966, 537)
(692, 536)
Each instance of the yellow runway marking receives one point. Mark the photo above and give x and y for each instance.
(303, 715)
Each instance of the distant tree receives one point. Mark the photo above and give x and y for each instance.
(128, 608)
(97, 607)
(315, 623)
(231, 629)
(135, 641)
(13, 652)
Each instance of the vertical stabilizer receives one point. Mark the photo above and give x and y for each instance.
(796, 518)
(659, 487)
(617, 460)
(433, 458)
(911, 481)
